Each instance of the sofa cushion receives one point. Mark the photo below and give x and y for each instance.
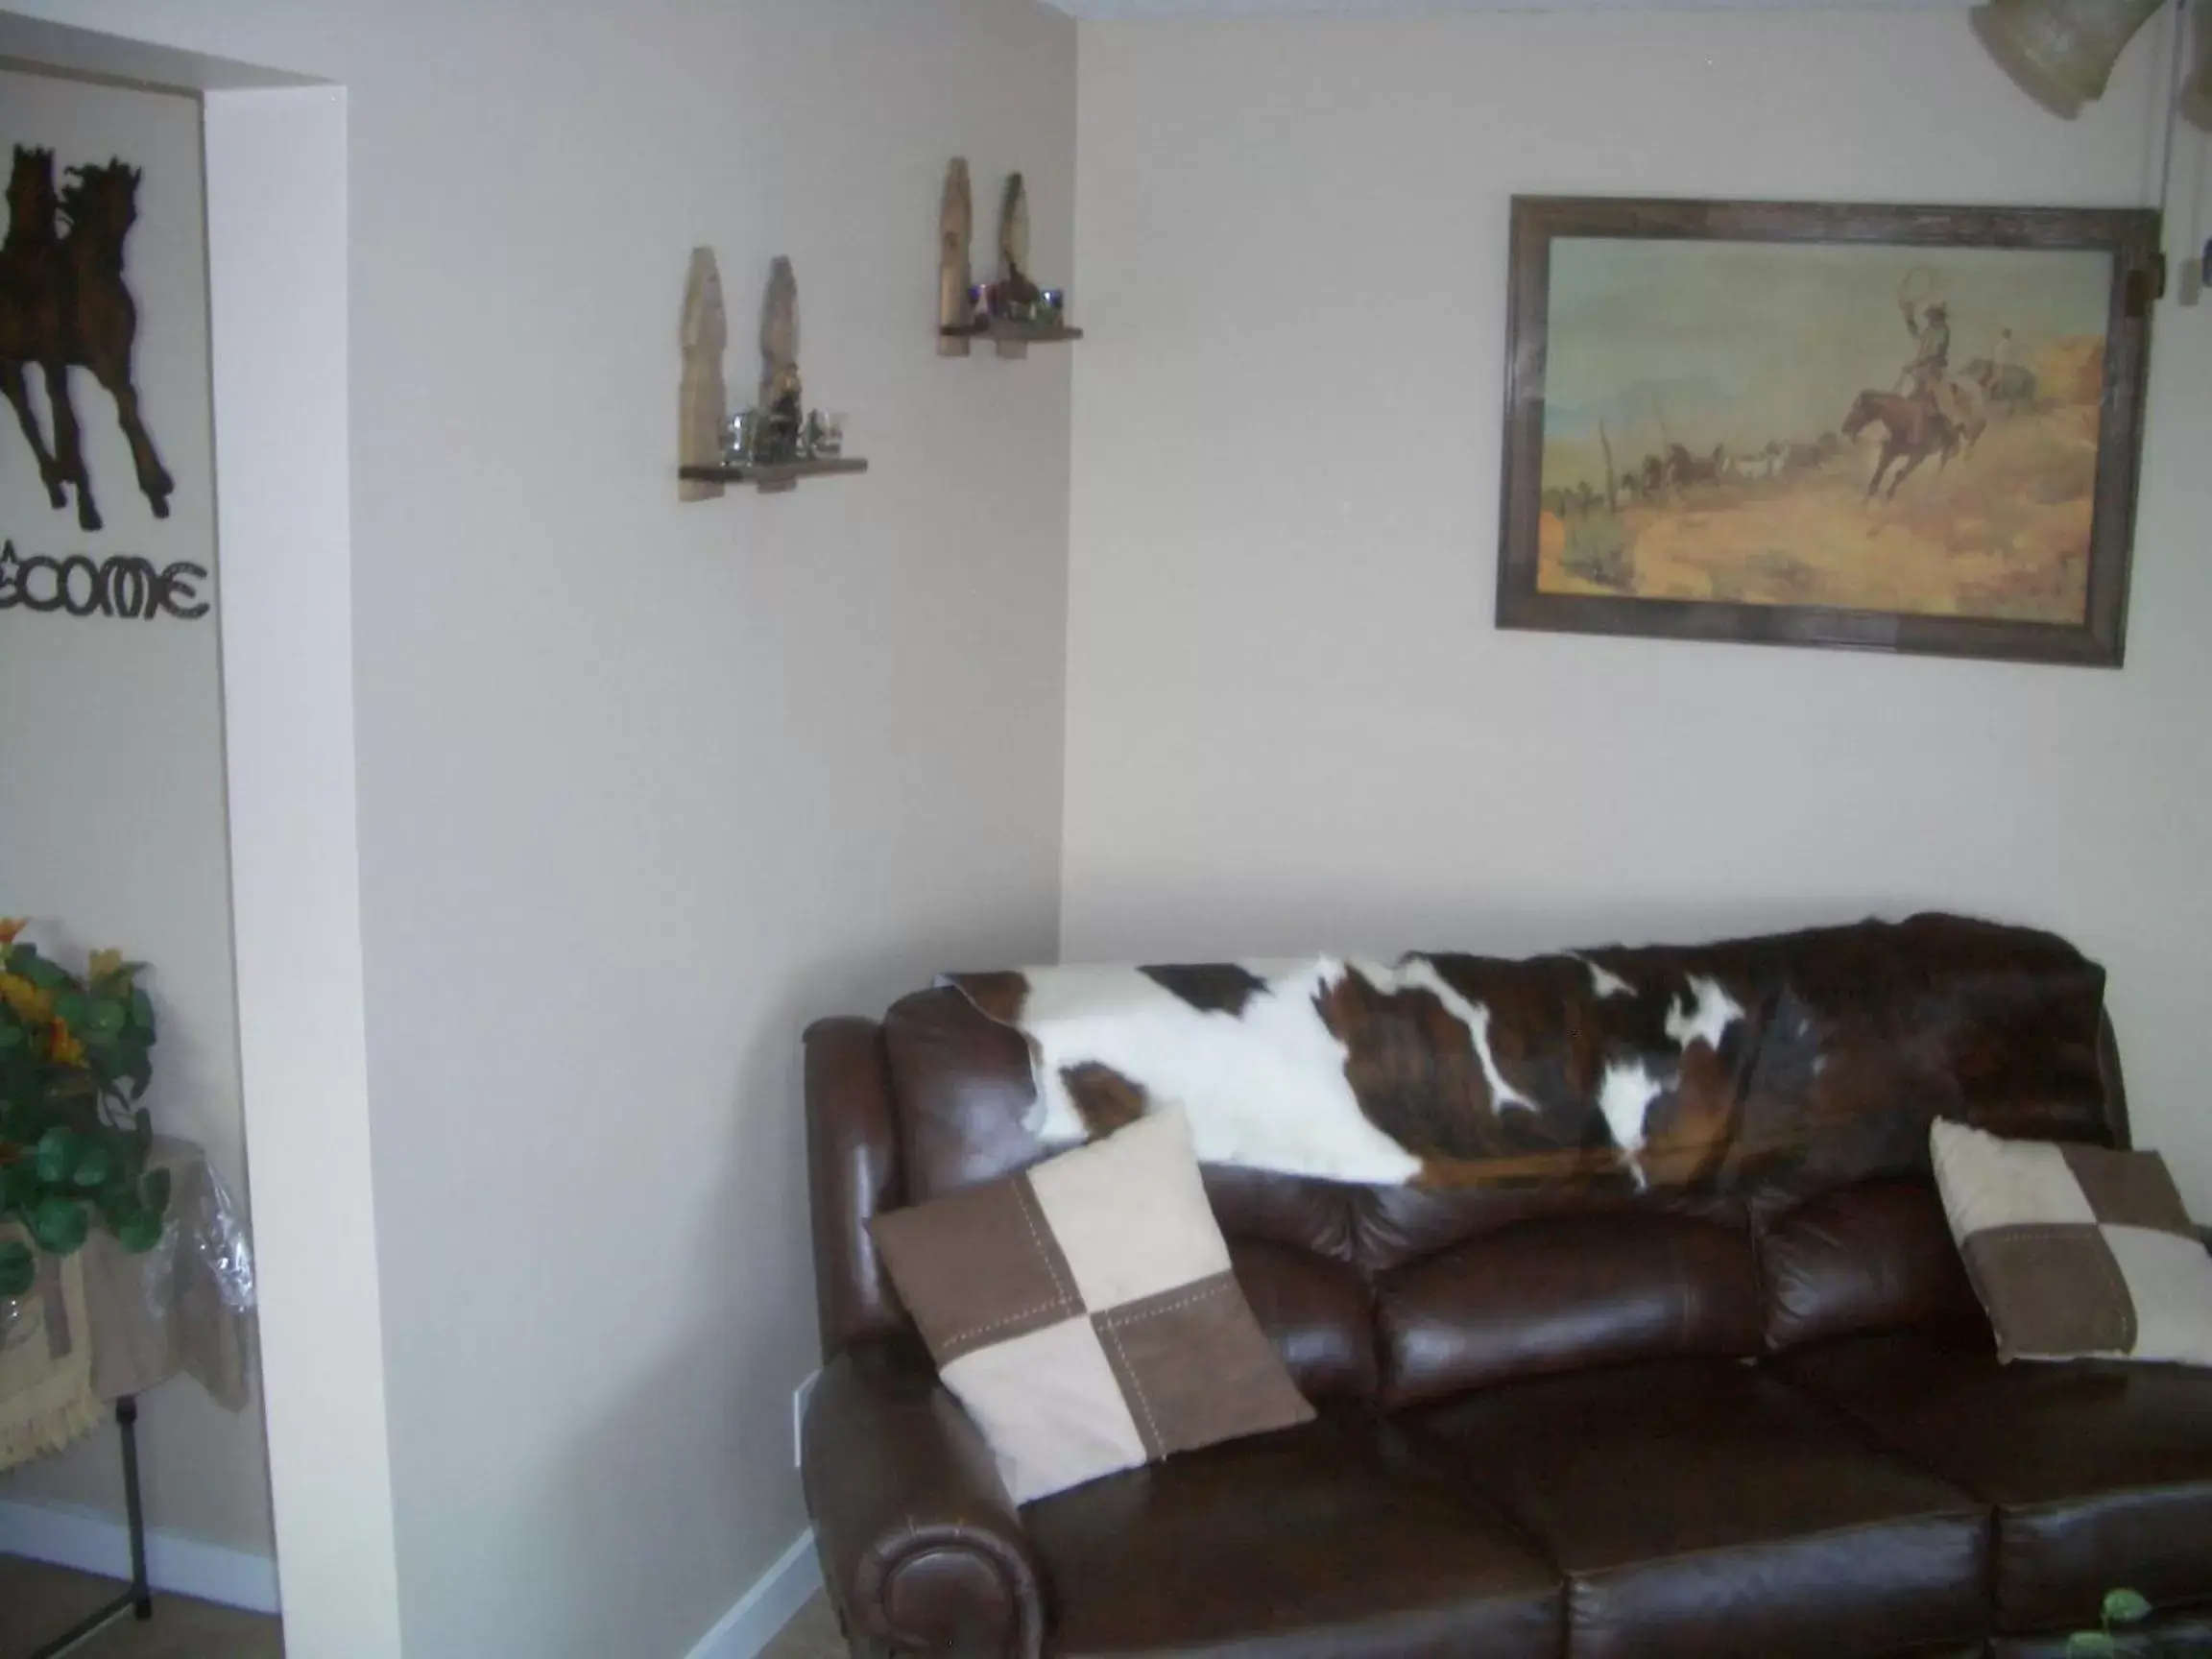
(1702, 1510)
(2078, 1252)
(1320, 1542)
(2101, 1474)
(1085, 1314)
(1877, 1256)
(1562, 1293)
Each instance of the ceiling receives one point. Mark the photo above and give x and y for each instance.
(36, 46)
(1379, 8)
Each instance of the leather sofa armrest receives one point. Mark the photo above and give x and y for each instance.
(922, 1549)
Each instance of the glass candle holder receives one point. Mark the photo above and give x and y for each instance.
(741, 434)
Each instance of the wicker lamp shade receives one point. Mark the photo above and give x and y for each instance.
(2061, 52)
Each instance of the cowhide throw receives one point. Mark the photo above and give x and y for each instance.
(1654, 1066)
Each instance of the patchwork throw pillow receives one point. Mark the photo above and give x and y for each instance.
(1084, 1311)
(2077, 1252)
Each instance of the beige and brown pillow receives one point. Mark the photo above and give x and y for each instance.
(2077, 1252)
(1085, 1313)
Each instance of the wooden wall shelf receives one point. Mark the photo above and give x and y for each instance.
(1013, 339)
(770, 478)
(957, 325)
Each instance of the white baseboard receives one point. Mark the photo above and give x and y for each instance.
(91, 1542)
(95, 1543)
(767, 1607)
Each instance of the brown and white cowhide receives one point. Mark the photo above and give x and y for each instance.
(1658, 1066)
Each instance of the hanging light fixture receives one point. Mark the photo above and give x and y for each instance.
(2061, 52)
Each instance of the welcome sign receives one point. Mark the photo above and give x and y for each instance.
(122, 584)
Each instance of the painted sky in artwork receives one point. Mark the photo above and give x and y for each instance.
(1737, 342)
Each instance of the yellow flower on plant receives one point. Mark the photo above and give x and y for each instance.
(32, 1005)
(9, 927)
(102, 964)
(63, 1047)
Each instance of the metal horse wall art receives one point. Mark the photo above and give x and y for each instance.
(62, 306)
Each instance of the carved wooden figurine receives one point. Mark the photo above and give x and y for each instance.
(783, 399)
(1016, 293)
(956, 228)
(1014, 243)
(703, 403)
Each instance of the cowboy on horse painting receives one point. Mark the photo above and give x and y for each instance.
(1930, 363)
(1927, 413)
(1787, 450)
(1929, 375)
(63, 304)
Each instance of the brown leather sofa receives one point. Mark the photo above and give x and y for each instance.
(1768, 1425)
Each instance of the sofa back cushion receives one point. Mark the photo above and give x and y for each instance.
(1316, 1311)
(1413, 1291)
(1564, 1292)
(1873, 1257)
(963, 1087)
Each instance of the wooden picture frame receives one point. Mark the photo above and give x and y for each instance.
(2013, 546)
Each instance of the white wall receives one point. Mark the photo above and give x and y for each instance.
(1290, 719)
(646, 787)
(111, 811)
(643, 786)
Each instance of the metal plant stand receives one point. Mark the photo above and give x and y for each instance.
(136, 1598)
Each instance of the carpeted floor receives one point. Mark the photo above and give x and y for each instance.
(811, 1635)
(38, 1602)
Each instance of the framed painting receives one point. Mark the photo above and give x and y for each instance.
(1894, 428)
